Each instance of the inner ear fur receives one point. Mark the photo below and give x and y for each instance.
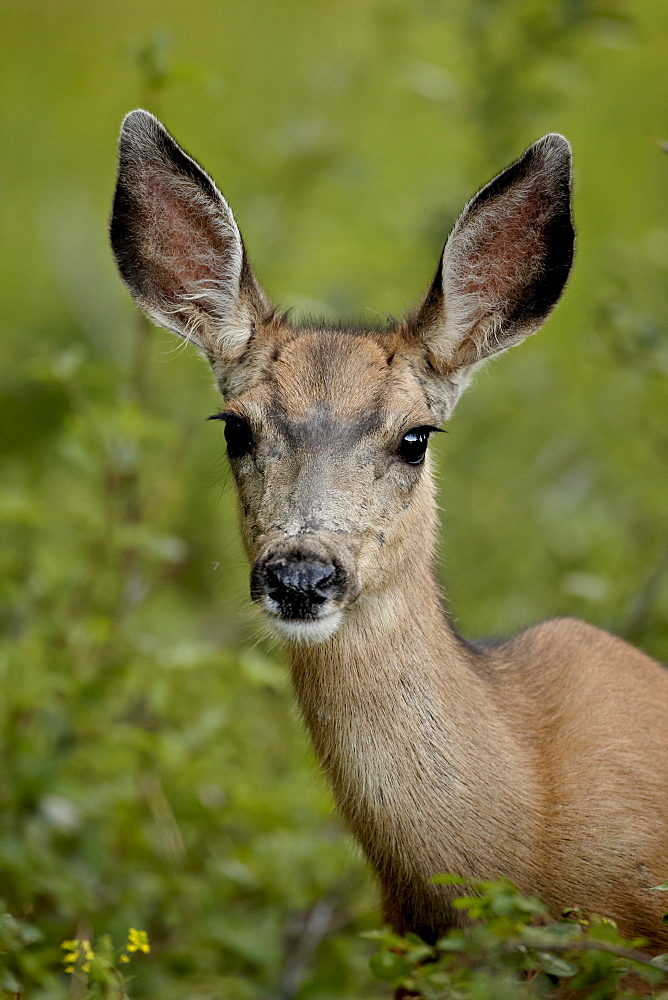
(177, 245)
(505, 264)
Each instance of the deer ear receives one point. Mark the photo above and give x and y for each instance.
(177, 246)
(505, 264)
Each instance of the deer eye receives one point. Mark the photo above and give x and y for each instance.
(238, 435)
(414, 445)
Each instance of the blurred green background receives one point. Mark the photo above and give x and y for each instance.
(153, 771)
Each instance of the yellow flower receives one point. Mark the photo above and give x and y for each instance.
(137, 941)
(77, 951)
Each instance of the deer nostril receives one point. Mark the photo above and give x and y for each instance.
(324, 584)
(298, 586)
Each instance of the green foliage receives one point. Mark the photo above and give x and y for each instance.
(153, 772)
(15, 935)
(513, 952)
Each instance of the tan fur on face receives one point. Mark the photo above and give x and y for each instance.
(328, 410)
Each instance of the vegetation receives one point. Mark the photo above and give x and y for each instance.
(514, 952)
(154, 773)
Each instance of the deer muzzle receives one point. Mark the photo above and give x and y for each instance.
(303, 586)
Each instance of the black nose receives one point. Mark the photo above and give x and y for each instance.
(299, 587)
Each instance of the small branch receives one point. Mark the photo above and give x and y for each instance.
(632, 954)
(314, 925)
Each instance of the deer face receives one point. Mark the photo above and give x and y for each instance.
(328, 453)
(327, 430)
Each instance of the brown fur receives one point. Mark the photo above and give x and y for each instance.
(544, 759)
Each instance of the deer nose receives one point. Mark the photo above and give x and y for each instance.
(299, 587)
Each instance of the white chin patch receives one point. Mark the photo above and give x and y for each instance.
(307, 632)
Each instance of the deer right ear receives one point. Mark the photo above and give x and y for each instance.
(502, 270)
(177, 246)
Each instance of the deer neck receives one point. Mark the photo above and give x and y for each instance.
(390, 702)
(369, 693)
(404, 719)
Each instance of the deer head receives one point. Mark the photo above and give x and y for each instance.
(327, 428)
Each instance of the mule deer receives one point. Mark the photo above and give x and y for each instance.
(545, 758)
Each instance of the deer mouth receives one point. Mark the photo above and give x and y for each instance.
(306, 631)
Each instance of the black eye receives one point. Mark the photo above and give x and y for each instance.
(414, 445)
(238, 435)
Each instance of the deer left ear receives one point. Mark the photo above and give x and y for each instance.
(178, 247)
(504, 266)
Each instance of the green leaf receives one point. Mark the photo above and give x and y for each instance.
(466, 902)
(662, 888)
(374, 935)
(447, 878)
(418, 953)
(555, 966)
(453, 942)
(435, 988)
(388, 966)
(560, 932)
(8, 982)
(385, 937)
(414, 938)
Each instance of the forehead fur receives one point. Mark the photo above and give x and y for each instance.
(349, 373)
